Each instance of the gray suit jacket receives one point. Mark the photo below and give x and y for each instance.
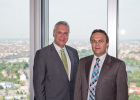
(50, 79)
(112, 81)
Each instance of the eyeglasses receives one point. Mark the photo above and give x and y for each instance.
(99, 41)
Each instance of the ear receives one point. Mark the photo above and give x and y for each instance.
(53, 33)
(107, 45)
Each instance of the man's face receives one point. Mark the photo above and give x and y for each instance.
(99, 44)
(60, 35)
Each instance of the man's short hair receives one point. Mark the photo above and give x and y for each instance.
(100, 31)
(62, 23)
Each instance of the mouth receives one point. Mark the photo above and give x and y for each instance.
(62, 40)
(97, 48)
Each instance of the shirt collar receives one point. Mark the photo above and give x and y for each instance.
(57, 47)
(102, 58)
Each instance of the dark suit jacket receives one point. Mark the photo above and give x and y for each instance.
(50, 79)
(112, 81)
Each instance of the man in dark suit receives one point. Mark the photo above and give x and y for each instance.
(55, 67)
(101, 76)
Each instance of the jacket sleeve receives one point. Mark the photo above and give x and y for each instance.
(39, 76)
(121, 82)
(78, 85)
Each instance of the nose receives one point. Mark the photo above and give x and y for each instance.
(62, 34)
(97, 43)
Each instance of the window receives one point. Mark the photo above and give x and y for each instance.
(14, 49)
(82, 16)
(129, 43)
(85, 16)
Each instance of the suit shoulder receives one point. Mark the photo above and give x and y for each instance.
(71, 48)
(114, 59)
(44, 49)
(87, 58)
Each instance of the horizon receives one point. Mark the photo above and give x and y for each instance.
(76, 39)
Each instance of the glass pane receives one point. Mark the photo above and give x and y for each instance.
(129, 43)
(14, 50)
(83, 17)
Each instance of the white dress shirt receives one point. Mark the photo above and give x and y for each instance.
(67, 56)
(102, 58)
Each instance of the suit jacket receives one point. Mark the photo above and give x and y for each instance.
(50, 79)
(111, 84)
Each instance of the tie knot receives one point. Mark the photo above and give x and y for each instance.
(62, 50)
(97, 59)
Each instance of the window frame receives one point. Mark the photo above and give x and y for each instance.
(39, 30)
(112, 25)
(35, 37)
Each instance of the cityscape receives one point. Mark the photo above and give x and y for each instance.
(14, 69)
(14, 66)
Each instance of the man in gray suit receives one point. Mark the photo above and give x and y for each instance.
(55, 67)
(101, 76)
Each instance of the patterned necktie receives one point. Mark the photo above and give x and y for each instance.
(93, 81)
(64, 60)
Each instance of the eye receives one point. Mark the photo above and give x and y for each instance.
(101, 41)
(66, 33)
(93, 41)
(59, 32)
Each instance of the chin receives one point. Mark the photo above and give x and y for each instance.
(62, 45)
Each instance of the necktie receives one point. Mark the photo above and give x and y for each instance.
(93, 81)
(64, 60)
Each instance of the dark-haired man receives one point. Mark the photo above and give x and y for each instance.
(101, 76)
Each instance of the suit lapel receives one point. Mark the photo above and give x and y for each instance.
(55, 55)
(87, 68)
(105, 68)
(57, 60)
(71, 56)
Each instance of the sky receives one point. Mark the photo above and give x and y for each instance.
(83, 17)
(14, 18)
(129, 19)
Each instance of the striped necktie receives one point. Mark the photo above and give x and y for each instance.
(93, 81)
(64, 60)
